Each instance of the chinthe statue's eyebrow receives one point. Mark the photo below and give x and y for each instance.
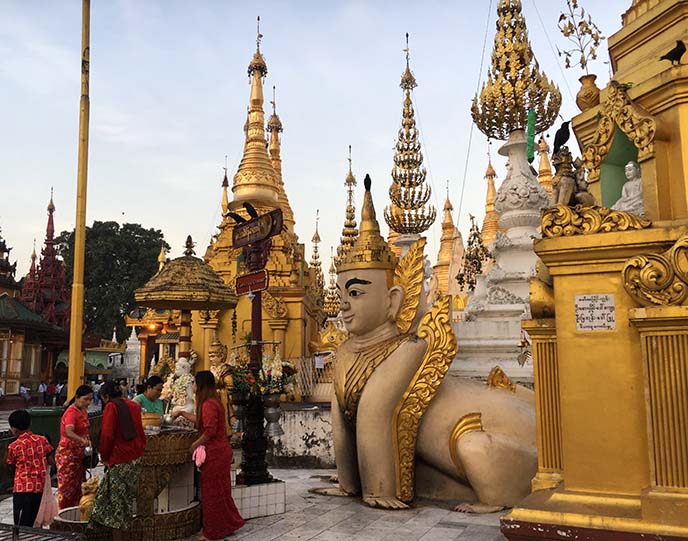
(354, 281)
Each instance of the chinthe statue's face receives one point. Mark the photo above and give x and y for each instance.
(365, 299)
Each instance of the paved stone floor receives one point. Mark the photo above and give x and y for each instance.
(323, 518)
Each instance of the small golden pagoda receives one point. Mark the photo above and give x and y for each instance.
(409, 214)
(491, 220)
(289, 301)
(332, 300)
(316, 267)
(350, 229)
(544, 167)
(611, 352)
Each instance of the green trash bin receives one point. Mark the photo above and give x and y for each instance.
(46, 421)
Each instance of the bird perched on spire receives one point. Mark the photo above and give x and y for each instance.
(561, 137)
(676, 53)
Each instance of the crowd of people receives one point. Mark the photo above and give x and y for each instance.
(121, 446)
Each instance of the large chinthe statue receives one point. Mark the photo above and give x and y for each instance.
(402, 427)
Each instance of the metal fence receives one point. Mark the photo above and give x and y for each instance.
(314, 377)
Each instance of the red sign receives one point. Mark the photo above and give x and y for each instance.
(255, 281)
(257, 229)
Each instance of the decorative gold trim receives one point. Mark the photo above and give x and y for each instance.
(471, 422)
(273, 305)
(409, 276)
(435, 328)
(498, 378)
(564, 221)
(661, 279)
(632, 119)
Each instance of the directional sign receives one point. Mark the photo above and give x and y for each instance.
(255, 281)
(257, 229)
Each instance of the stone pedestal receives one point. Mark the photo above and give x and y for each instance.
(490, 332)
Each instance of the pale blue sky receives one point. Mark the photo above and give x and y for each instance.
(169, 93)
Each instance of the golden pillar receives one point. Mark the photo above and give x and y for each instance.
(209, 323)
(543, 333)
(185, 334)
(664, 342)
(279, 331)
(143, 369)
(75, 375)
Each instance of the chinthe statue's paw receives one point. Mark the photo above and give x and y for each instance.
(330, 491)
(478, 508)
(385, 503)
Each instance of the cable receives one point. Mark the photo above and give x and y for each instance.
(551, 48)
(470, 132)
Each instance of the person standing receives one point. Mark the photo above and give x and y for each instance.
(29, 454)
(62, 394)
(42, 392)
(122, 444)
(51, 391)
(74, 439)
(149, 399)
(220, 515)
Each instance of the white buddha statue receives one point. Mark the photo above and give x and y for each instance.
(178, 388)
(631, 199)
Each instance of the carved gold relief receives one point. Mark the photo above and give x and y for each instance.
(409, 276)
(633, 120)
(564, 221)
(659, 279)
(471, 422)
(435, 328)
(274, 306)
(499, 379)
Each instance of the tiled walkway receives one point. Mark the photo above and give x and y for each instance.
(323, 518)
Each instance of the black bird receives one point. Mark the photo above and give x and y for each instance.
(676, 53)
(249, 208)
(238, 218)
(561, 137)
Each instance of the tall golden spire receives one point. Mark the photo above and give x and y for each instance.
(225, 197)
(514, 82)
(275, 128)
(444, 256)
(545, 167)
(408, 213)
(319, 283)
(256, 179)
(491, 221)
(350, 231)
(332, 299)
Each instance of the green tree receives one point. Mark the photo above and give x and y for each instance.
(118, 260)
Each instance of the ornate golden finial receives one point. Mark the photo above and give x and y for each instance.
(491, 221)
(370, 251)
(162, 259)
(275, 128)
(225, 185)
(332, 300)
(319, 283)
(408, 213)
(514, 82)
(189, 247)
(473, 258)
(256, 178)
(259, 36)
(349, 232)
(51, 205)
(33, 254)
(545, 167)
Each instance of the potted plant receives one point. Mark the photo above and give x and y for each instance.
(276, 378)
(583, 33)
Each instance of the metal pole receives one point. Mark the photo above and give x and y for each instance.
(75, 375)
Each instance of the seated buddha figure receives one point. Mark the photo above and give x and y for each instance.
(224, 382)
(402, 427)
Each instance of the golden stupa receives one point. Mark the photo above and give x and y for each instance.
(290, 301)
(491, 220)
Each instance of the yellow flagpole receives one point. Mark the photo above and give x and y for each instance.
(75, 375)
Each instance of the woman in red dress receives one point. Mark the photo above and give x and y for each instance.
(220, 515)
(70, 452)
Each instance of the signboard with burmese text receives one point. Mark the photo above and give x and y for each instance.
(595, 312)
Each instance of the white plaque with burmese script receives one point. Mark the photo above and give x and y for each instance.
(595, 312)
